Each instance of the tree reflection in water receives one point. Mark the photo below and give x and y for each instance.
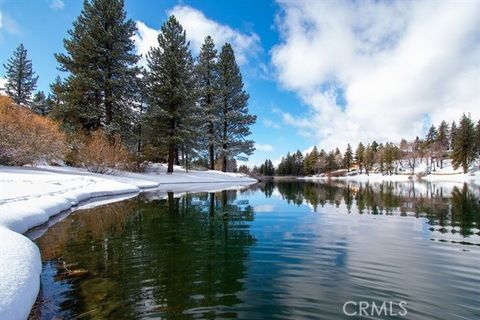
(157, 257)
(458, 208)
(187, 256)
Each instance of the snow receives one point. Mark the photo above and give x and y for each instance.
(30, 196)
(446, 174)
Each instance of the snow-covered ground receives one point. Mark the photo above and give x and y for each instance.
(445, 174)
(30, 196)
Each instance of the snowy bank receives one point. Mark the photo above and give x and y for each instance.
(30, 196)
(446, 173)
(378, 178)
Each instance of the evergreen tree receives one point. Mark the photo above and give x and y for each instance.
(443, 140)
(235, 119)
(368, 159)
(172, 114)
(432, 135)
(464, 144)
(101, 88)
(21, 80)
(267, 168)
(331, 164)
(310, 161)
(348, 158)
(359, 154)
(207, 81)
(443, 133)
(453, 131)
(477, 142)
(41, 104)
(297, 163)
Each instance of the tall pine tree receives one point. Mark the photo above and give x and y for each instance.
(443, 140)
(207, 82)
(171, 114)
(348, 158)
(359, 156)
(464, 144)
(235, 119)
(477, 141)
(101, 88)
(21, 79)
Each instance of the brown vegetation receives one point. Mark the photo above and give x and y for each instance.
(101, 154)
(26, 138)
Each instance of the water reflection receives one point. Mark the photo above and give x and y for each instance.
(454, 209)
(162, 258)
(275, 250)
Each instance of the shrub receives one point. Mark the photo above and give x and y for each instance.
(138, 163)
(26, 138)
(101, 154)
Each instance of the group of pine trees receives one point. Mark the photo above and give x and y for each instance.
(459, 143)
(178, 106)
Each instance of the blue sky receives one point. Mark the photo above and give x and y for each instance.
(318, 72)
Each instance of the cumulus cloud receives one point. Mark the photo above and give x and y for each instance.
(57, 4)
(264, 147)
(198, 26)
(378, 70)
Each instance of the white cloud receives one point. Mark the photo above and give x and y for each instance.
(399, 66)
(57, 4)
(8, 24)
(198, 26)
(270, 124)
(264, 147)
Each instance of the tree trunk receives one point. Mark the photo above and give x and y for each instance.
(211, 151)
(176, 156)
(171, 156)
(212, 157)
(224, 163)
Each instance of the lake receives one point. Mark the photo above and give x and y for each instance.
(284, 250)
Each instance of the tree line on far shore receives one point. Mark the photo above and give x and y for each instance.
(459, 143)
(176, 109)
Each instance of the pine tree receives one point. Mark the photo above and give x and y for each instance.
(171, 116)
(101, 88)
(310, 161)
(348, 158)
(368, 159)
(477, 142)
(41, 104)
(453, 131)
(21, 79)
(235, 119)
(359, 154)
(432, 135)
(464, 144)
(207, 82)
(443, 140)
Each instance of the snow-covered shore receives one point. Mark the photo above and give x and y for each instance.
(445, 174)
(30, 196)
(377, 177)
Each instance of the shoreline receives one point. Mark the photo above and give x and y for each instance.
(378, 178)
(31, 196)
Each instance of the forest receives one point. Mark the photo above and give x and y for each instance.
(106, 110)
(457, 144)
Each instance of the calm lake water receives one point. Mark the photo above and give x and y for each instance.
(287, 250)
